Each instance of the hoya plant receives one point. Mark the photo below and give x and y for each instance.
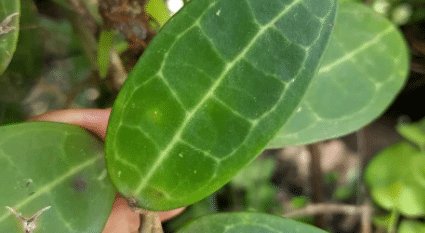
(222, 81)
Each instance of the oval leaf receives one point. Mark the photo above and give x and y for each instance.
(52, 164)
(9, 31)
(396, 178)
(209, 93)
(364, 68)
(246, 223)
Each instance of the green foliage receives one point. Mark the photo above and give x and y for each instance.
(222, 81)
(58, 165)
(409, 226)
(414, 133)
(27, 61)
(9, 31)
(397, 180)
(363, 69)
(246, 223)
(106, 41)
(255, 179)
(193, 108)
(10, 113)
(159, 11)
(382, 221)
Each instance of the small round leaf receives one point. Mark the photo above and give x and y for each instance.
(396, 178)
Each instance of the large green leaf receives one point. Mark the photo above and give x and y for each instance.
(364, 67)
(213, 88)
(247, 223)
(396, 178)
(52, 164)
(9, 30)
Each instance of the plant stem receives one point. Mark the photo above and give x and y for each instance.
(364, 150)
(150, 223)
(149, 220)
(316, 181)
(325, 208)
(395, 215)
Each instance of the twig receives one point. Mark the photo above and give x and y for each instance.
(117, 69)
(395, 216)
(328, 208)
(149, 220)
(364, 150)
(316, 182)
(366, 219)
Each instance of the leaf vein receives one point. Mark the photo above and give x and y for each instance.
(228, 67)
(46, 188)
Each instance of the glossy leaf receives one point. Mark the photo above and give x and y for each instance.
(214, 86)
(53, 164)
(247, 223)
(364, 68)
(396, 178)
(411, 226)
(26, 64)
(9, 31)
(414, 132)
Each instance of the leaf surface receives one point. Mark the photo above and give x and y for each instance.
(246, 223)
(364, 68)
(212, 89)
(52, 164)
(9, 31)
(396, 178)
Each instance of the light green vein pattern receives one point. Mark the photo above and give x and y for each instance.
(177, 133)
(58, 165)
(363, 69)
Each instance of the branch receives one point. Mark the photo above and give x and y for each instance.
(326, 208)
(316, 181)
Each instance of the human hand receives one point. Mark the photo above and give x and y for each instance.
(122, 219)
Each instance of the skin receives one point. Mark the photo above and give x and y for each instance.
(122, 219)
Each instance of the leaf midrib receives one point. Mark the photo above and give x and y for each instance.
(359, 49)
(165, 153)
